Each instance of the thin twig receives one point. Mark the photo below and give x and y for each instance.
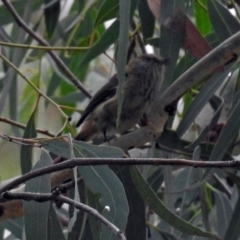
(43, 197)
(30, 141)
(45, 48)
(118, 161)
(33, 86)
(22, 126)
(64, 187)
(41, 41)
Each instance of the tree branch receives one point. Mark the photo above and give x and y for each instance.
(117, 161)
(221, 55)
(22, 126)
(43, 197)
(14, 209)
(42, 42)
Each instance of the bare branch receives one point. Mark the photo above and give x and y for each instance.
(22, 126)
(219, 56)
(14, 209)
(42, 197)
(41, 41)
(118, 161)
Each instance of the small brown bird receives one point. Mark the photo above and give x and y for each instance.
(143, 79)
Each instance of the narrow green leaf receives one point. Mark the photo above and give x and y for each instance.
(1, 232)
(156, 178)
(227, 93)
(224, 212)
(158, 207)
(58, 147)
(107, 11)
(228, 133)
(233, 232)
(124, 15)
(26, 151)
(109, 37)
(147, 19)
(169, 140)
(35, 213)
(172, 35)
(6, 17)
(184, 63)
(223, 22)
(217, 104)
(94, 223)
(79, 226)
(202, 99)
(154, 41)
(54, 228)
(100, 151)
(202, 18)
(136, 225)
(51, 12)
(102, 180)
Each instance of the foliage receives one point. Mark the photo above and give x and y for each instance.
(40, 89)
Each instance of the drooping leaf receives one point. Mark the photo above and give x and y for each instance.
(26, 151)
(147, 19)
(109, 37)
(107, 11)
(102, 180)
(51, 12)
(201, 100)
(124, 14)
(202, 18)
(232, 232)
(228, 134)
(36, 213)
(136, 224)
(54, 228)
(224, 212)
(223, 22)
(158, 207)
(172, 36)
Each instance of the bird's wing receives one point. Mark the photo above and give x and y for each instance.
(104, 93)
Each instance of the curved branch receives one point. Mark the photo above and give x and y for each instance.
(219, 56)
(41, 197)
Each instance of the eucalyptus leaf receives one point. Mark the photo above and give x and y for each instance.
(223, 22)
(26, 151)
(158, 207)
(51, 12)
(201, 100)
(109, 37)
(36, 213)
(227, 135)
(107, 11)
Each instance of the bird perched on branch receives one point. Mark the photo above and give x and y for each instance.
(143, 79)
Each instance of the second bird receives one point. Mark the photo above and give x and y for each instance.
(143, 78)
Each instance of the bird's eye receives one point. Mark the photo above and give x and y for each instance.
(126, 75)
